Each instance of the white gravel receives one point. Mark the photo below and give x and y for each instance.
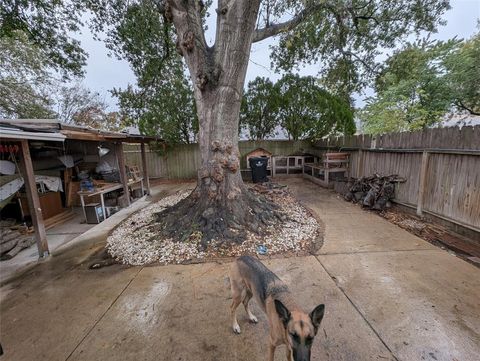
(132, 243)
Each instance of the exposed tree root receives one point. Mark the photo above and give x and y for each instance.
(215, 218)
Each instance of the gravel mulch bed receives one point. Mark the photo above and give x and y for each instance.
(133, 243)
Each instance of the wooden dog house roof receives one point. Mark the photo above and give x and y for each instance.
(259, 152)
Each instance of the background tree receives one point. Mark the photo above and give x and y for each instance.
(308, 112)
(30, 89)
(98, 118)
(221, 207)
(165, 109)
(24, 79)
(258, 113)
(463, 75)
(31, 81)
(421, 83)
(72, 100)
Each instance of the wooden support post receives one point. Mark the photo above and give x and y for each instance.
(67, 178)
(33, 200)
(423, 182)
(360, 161)
(123, 171)
(145, 169)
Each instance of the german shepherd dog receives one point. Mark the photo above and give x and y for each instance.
(288, 323)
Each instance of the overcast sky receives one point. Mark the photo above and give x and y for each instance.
(104, 73)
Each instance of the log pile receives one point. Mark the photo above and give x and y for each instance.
(374, 192)
(13, 239)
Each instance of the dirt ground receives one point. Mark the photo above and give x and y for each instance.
(389, 296)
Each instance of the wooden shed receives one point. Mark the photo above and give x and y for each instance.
(49, 158)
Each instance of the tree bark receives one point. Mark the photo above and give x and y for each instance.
(221, 207)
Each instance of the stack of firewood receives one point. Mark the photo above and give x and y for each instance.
(13, 239)
(373, 192)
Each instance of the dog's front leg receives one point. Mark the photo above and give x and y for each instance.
(289, 354)
(271, 351)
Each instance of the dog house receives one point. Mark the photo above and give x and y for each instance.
(246, 171)
(260, 153)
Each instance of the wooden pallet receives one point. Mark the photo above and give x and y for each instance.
(59, 219)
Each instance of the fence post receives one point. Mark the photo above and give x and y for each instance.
(360, 163)
(423, 182)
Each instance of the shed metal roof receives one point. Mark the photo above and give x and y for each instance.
(15, 134)
(53, 129)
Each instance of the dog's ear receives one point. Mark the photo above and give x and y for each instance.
(317, 315)
(282, 312)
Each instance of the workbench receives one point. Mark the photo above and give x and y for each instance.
(104, 189)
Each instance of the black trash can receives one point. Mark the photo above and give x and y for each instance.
(259, 169)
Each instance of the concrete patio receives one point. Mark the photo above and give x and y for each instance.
(389, 296)
(57, 236)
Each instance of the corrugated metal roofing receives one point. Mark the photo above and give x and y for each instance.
(12, 133)
(53, 129)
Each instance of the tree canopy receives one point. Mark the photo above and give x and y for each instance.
(307, 111)
(47, 25)
(24, 79)
(166, 110)
(260, 105)
(463, 75)
(30, 89)
(423, 82)
(296, 104)
(71, 100)
(343, 37)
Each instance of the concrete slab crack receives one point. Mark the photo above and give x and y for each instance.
(103, 314)
(334, 279)
(381, 251)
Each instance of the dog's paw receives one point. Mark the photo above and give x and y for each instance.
(236, 329)
(253, 319)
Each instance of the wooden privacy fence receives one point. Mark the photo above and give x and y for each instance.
(183, 160)
(442, 168)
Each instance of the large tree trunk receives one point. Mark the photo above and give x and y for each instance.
(221, 207)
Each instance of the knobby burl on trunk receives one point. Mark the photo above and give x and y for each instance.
(221, 207)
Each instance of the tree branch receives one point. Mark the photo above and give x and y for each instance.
(367, 17)
(360, 60)
(275, 29)
(187, 20)
(460, 105)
